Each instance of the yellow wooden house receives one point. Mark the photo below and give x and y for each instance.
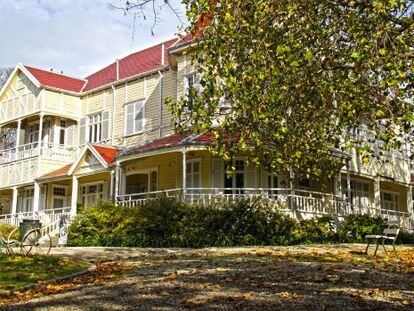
(74, 142)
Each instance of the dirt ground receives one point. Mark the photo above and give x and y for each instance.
(332, 277)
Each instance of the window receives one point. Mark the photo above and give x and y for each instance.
(59, 196)
(359, 193)
(62, 132)
(193, 174)
(389, 200)
(95, 128)
(192, 81)
(304, 182)
(92, 194)
(236, 178)
(134, 117)
(33, 135)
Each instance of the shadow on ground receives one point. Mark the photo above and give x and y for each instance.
(204, 280)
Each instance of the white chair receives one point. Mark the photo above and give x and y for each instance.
(389, 234)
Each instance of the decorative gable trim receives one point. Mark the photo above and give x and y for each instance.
(88, 147)
(13, 74)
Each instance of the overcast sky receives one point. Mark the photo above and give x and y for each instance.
(76, 36)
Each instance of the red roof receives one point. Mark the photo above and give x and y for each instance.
(131, 65)
(63, 171)
(56, 80)
(172, 140)
(108, 154)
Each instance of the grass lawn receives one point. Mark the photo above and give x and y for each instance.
(19, 271)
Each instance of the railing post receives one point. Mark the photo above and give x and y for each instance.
(74, 200)
(348, 185)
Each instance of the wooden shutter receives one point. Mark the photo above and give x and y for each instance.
(217, 173)
(105, 125)
(251, 175)
(129, 119)
(139, 116)
(70, 132)
(84, 130)
(265, 179)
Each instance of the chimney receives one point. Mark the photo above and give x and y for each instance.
(117, 69)
(51, 69)
(162, 54)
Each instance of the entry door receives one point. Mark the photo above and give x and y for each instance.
(28, 195)
(234, 182)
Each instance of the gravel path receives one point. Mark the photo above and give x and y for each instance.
(235, 279)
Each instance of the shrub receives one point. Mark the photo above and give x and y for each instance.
(355, 227)
(171, 223)
(316, 230)
(168, 222)
(5, 230)
(405, 237)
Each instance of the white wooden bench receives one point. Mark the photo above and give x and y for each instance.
(390, 234)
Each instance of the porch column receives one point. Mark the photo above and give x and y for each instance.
(111, 185)
(40, 133)
(292, 189)
(410, 207)
(36, 198)
(377, 196)
(74, 201)
(117, 181)
(184, 171)
(14, 201)
(19, 126)
(348, 183)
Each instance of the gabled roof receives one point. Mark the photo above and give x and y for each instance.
(105, 156)
(152, 58)
(61, 172)
(56, 80)
(170, 141)
(108, 154)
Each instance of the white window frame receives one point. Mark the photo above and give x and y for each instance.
(59, 197)
(94, 133)
(196, 77)
(143, 105)
(147, 172)
(189, 176)
(84, 196)
(394, 204)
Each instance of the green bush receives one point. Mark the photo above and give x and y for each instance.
(172, 223)
(405, 237)
(355, 227)
(316, 230)
(5, 230)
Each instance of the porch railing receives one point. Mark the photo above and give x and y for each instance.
(50, 151)
(298, 203)
(45, 216)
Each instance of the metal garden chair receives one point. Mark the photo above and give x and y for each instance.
(390, 234)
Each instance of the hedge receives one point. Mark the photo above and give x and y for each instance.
(167, 222)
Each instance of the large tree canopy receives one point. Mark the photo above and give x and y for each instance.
(289, 80)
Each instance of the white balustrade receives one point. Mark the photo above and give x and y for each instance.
(49, 151)
(299, 202)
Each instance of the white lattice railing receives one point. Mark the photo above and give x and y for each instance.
(46, 217)
(296, 202)
(49, 151)
(18, 107)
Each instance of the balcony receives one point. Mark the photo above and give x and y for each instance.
(46, 150)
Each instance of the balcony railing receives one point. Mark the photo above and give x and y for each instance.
(297, 203)
(50, 151)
